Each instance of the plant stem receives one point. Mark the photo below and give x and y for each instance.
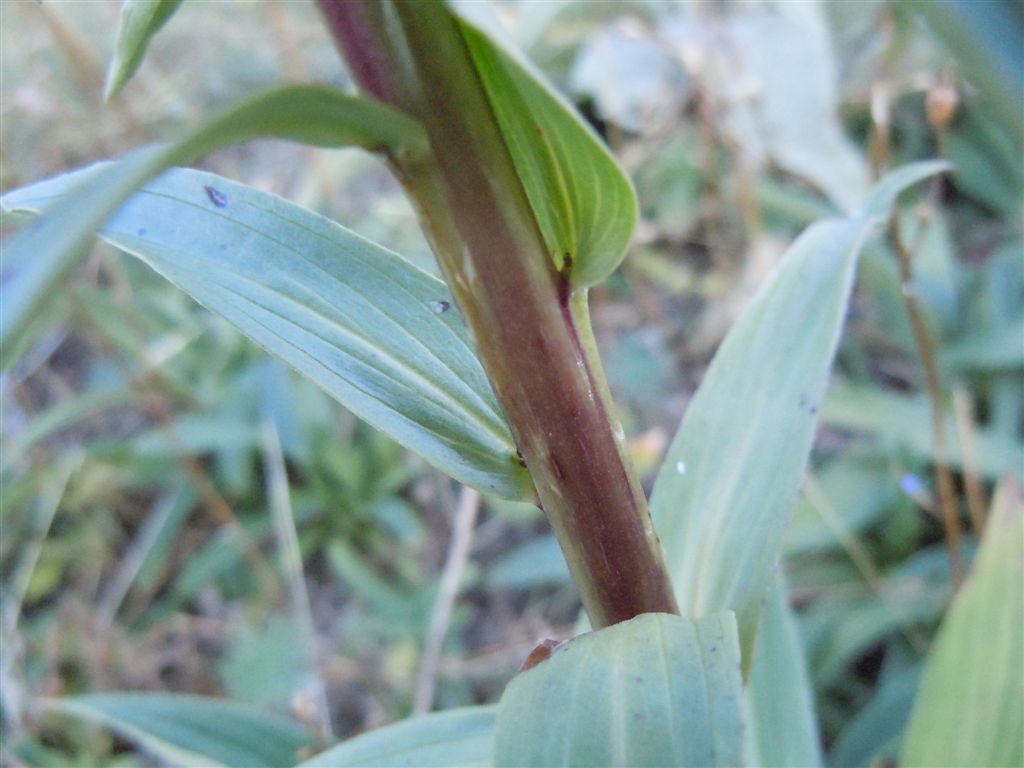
(926, 349)
(966, 425)
(533, 335)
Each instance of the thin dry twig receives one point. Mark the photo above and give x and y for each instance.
(440, 618)
(967, 429)
(291, 558)
(933, 379)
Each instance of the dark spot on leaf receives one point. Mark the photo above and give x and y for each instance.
(217, 197)
(141, 232)
(440, 307)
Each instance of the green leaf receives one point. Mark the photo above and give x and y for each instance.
(653, 691)
(368, 327)
(454, 739)
(724, 496)
(37, 257)
(850, 494)
(998, 348)
(783, 727)
(537, 562)
(186, 730)
(583, 202)
(903, 422)
(140, 20)
(969, 709)
(872, 736)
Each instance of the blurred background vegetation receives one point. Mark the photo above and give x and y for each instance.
(163, 480)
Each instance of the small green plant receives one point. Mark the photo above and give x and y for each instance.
(492, 376)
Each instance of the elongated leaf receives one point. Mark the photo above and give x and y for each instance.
(186, 730)
(903, 422)
(583, 202)
(140, 20)
(653, 691)
(454, 739)
(724, 496)
(783, 728)
(36, 258)
(872, 736)
(367, 326)
(969, 709)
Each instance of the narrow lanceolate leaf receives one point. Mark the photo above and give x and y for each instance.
(729, 484)
(140, 20)
(459, 738)
(969, 709)
(783, 728)
(183, 730)
(36, 258)
(656, 690)
(367, 326)
(583, 202)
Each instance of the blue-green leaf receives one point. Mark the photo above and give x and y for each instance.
(657, 690)
(872, 736)
(185, 730)
(727, 489)
(372, 330)
(36, 258)
(783, 727)
(969, 709)
(458, 738)
(140, 20)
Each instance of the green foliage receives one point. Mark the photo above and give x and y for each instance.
(656, 690)
(583, 202)
(128, 410)
(192, 730)
(140, 21)
(729, 483)
(969, 709)
(782, 727)
(38, 257)
(902, 422)
(363, 323)
(458, 738)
